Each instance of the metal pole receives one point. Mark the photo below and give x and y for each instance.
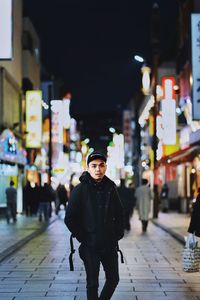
(50, 87)
(155, 141)
(156, 54)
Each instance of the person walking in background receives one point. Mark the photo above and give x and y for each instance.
(127, 197)
(143, 203)
(30, 198)
(62, 197)
(35, 203)
(164, 198)
(45, 198)
(94, 215)
(132, 189)
(11, 198)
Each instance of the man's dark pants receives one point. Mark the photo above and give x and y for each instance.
(92, 260)
(11, 211)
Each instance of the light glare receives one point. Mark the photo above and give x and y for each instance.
(139, 58)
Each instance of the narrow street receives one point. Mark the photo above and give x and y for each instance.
(152, 269)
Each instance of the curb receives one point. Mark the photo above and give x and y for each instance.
(175, 235)
(10, 250)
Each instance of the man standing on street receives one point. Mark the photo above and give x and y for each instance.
(94, 215)
(11, 197)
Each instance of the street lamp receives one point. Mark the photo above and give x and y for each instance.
(139, 58)
(145, 74)
(112, 130)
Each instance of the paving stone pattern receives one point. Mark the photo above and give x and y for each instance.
(152, 268)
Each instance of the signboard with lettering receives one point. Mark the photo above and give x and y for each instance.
(10, 150)
(168, 111)
(34, 119)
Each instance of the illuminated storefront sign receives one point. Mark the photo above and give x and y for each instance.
(33, 119)
(169, 111)
(57, 134)
(169, 149)
(6, 29)
(115, 155)
(10, 150)
(159, 127)
(66, 114)
(195, 37)
(185, 137)
(57, 121)
(73, 130)
(144, 115)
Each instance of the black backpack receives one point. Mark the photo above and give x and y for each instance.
(71, 264)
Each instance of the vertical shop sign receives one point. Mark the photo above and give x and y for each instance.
(169, 111)
(57, 121)
(34, 119)
(195, 39)
(57, 131)
(6, 25)
(127, 126)
(66, 113)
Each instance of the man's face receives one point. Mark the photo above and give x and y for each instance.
(97, 169)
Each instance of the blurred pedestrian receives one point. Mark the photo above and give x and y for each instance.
(29, 197)
(143, 203)
(45, 198)
(127, 197)
(35, 203)
(164, 198)
(94, 215)
(62, 197)
(71, 184)
(132, 190)
(156, 200)
(11, 198)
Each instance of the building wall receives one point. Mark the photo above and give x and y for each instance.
(31, 70)
(31, 54)
(196, 6)
(11, 103)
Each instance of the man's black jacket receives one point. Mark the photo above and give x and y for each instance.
(80, 215)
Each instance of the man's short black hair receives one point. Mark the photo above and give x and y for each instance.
(96, 155)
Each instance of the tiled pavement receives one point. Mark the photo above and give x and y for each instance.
(152, 268)
(15, 235)
(174, 223)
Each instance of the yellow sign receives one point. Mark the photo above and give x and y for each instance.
(151, 125)
(58, 170)
(170, 149)
(34, 119)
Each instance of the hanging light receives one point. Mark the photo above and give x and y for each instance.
(146, 80)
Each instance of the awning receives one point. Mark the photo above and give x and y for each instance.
(181, 156)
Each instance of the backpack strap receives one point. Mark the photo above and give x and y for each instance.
(121, 253)
(71, 265)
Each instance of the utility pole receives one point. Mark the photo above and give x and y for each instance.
(155, 42)
(50, 93)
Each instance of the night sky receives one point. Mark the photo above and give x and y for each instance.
(89, 45)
